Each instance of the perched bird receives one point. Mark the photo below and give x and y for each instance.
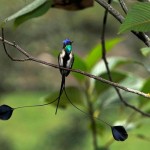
(65, 59)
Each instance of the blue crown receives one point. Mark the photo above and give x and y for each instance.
(66, 42)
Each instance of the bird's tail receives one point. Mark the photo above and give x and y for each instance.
(61, 91)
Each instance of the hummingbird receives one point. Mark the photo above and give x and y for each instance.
(66, 60)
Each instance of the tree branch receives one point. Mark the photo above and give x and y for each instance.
(31, 58)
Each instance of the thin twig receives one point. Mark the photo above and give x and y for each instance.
(123, 5)
(14, 45)
(104, 48)
(143, 37)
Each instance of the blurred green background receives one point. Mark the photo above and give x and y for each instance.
(28, 83)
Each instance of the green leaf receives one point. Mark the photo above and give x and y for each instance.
(113, 62)
(109, 96)
(116, 76)
(146, 89)
(137, 19)
(95, 54)
(145, 51)
(79, 64)
(100, 68)
(34, 9)
(76, 96)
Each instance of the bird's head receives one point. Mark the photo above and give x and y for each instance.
(67, 45)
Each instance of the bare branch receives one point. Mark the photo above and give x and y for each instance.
(16, 46)
(31, 58)
(123, 5)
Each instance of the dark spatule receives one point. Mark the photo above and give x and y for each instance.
(119, 133)
(5, 112)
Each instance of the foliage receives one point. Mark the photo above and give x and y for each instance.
(145, 51)
(94, 55)
(34, 9)
(40, 7)
(146, 88)
(137, 19)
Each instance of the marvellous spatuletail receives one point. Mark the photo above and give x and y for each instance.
(65, 60)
